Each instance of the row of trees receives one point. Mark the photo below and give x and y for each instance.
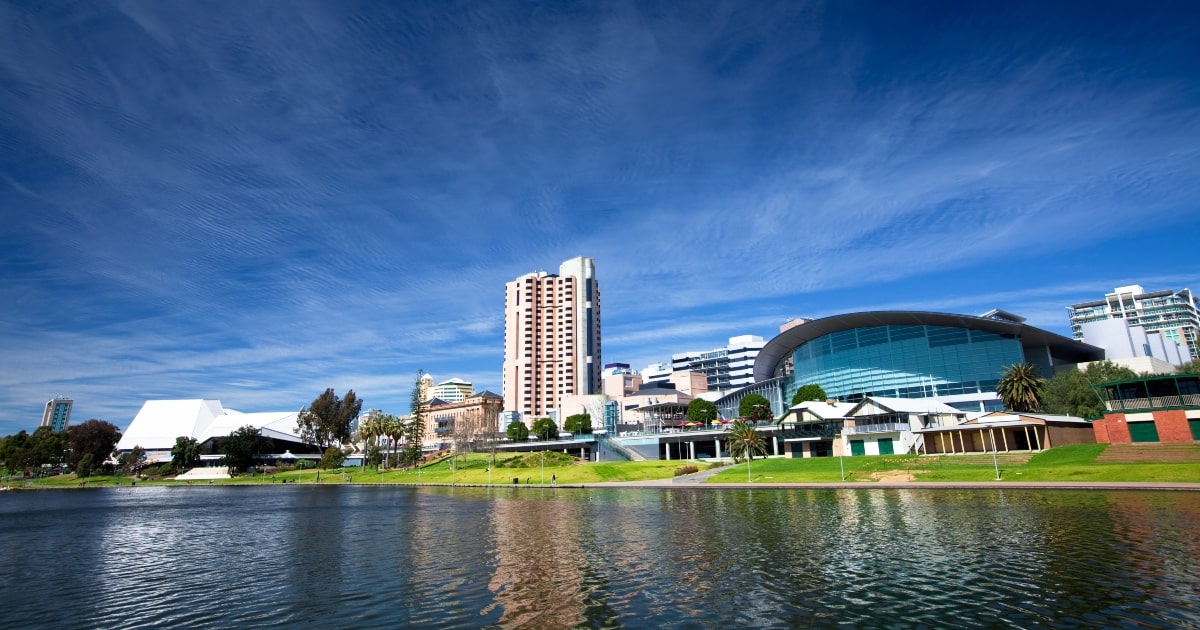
(85, 446)
(1068, 393)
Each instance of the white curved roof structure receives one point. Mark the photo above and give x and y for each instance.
(159, 422)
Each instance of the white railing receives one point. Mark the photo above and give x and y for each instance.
(883, 427)
(1155, 402)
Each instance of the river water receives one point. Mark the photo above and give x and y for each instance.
(395, 557)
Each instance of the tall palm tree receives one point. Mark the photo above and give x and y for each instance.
(368, 433)
(744, 441)
(1020, 388)
(393, 430)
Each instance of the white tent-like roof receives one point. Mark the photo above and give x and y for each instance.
(160, 422)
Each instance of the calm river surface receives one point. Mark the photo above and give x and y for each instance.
(393, 557)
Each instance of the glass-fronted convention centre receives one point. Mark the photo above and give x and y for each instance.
(956, 359)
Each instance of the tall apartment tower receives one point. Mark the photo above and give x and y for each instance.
(57, 414)
(551, 338)
(1173, 314)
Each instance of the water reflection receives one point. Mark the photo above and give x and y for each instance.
(521, 558)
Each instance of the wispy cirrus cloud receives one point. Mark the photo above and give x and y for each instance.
(258, 203)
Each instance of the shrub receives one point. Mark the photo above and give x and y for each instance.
(686, 470)
(332, 458)
(305, 464)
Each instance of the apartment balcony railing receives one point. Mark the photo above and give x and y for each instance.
(1156, 402)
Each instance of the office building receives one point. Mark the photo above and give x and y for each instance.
(57, 414)
(551, 338)
(452, 391)
(1175, 315)
(727, 368)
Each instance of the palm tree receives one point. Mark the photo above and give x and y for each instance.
(393, 430)
(368, 432)
(744, 441)
(1020, 388)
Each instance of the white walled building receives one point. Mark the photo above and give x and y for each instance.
(727, 368)
(1122, 342)
(451, 391)
(1173, 314)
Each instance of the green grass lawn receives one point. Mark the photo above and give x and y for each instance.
(1064, 463)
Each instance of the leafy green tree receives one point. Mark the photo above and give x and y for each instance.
(84, 468)
(185, 454)
(327, 420)
(752, 405)
(517, 431)
(240, 447)
(11, 446)
(1020, 388)
(1191, 367)
(333, 457)
(700, 410)
(414, 427)
(132, 461)
(545, 429)
(43, 446)
(1070, 392)
(812, 391)
(745, 442)
(94, 436)
(580, 423)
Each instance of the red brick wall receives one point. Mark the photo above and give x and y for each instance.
(1172, 425)
(1112, 429)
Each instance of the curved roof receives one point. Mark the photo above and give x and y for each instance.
(776, 349)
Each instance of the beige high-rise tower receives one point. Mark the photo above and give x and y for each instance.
(551, 338)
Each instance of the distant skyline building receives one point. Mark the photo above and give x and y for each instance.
(452, 390)
(727, 368)
(551, 338)
(656, 372)
(57, 414)
(1173, 314)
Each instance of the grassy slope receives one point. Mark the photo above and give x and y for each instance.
(1065, 463)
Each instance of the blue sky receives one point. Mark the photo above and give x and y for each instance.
(253, 201)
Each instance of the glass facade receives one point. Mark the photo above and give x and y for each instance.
(904, 361)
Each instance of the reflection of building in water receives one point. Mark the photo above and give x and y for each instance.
(538, 580)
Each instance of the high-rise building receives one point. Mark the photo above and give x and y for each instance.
(551, 338)
(57, 414)
(1173, 314)
(727, 368)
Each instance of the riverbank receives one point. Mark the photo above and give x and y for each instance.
(1086, 465)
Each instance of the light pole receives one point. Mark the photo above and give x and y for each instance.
(842, 459)
(992, 432)
(543, 467)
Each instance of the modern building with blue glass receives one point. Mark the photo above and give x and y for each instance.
(956, 359)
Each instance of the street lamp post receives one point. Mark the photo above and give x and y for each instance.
(543, 467)
(995, 462)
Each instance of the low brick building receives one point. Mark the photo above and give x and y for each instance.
(1150, 410)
